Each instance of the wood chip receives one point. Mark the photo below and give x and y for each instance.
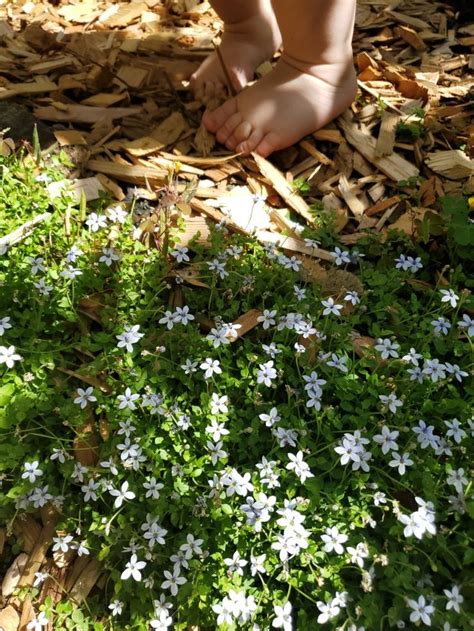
(86, 581)
(9, 619)
(453, 164)
(395, 166)
(246, 323)
(278, 181)
(355, 204)
(386, 137)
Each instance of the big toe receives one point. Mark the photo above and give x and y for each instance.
(213, 121)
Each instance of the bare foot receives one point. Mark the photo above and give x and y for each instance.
(244, 46)
(290, 102)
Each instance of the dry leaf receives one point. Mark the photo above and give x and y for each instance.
(86, 445)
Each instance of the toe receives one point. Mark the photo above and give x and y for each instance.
(227, 129)
(216, 119)
(241, 132)
(251, 143)
(268, 145)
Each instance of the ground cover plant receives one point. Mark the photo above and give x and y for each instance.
(312, 472)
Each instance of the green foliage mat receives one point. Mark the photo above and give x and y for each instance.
(293, 477)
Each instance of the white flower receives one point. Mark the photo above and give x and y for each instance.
(4, 324)
(82, 550)
(434, 369)
(216, 430)
(358, 554)
(39, 622)
(73, 254)
(32, 471)
(127, 400)
(328, 610)
(400, 461)
(408, 263)
(331, 307)
(256, 564)
(129, 337)
(122, 494)
(109, 255)
(9, 356)
(271, 349)
(218, 336)
(267, 318)
(95, 222)
(116, 606)
(173, 580)
(40, 577)
(216, 266)
(412, 357)
(387, 439)
(455, 598)
(219, 404)
(391, 402)
(168, 319)
(153, 488)
(338, 362)
(266, 373)
(217, 453)
(44, 289)
(352, 297)
(467, 323)
(210, 367)
(70, 272)
(387, 348)
(36, 264)
(333, 540)
(180, 253)
(299, 466)
(162, 622)
(457, 479)
(182, 315)
(89, 490)
(421, 610)
(456, 371)
(132, 569)
(455, 431)
(299, 292)
(340, 256)
(189, 367)
(271, 418)
(236, 564)
(441, 326)
(84, 396)
(192, 546)
(449, 296)
(283, 618)
(62, 543)
(117, 213)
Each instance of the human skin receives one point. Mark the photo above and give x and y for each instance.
(312, 83)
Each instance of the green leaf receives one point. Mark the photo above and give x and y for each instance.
(6, 393)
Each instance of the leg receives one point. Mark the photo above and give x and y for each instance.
(251, 36)
(313, 82)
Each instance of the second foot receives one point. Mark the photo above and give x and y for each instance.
(244, 46)
(283, 107)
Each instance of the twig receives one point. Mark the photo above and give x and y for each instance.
(224, 70)
(23, 231)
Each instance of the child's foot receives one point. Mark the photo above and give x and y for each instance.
(244, 46)
(292, 101)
